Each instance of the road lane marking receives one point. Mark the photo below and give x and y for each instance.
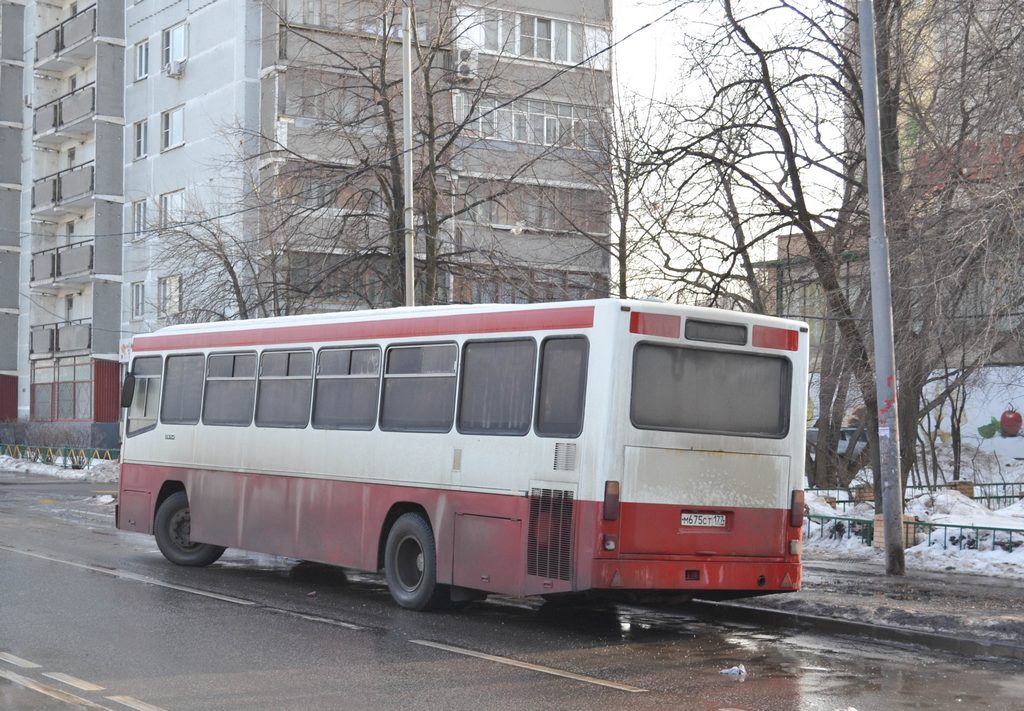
(125, 575)
(316, 618)
(50, 691)
(532, 667)
(133, 703)
(74, 681)
(18, 661)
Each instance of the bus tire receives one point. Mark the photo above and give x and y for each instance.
(410, 565)
(172, 528)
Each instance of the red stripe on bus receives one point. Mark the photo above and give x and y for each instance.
(414, 327)
(782, 339)
(654, 324)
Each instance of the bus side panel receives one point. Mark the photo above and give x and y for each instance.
(340, 522)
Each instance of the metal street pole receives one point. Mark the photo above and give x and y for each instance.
(410, 245)
(881, 305)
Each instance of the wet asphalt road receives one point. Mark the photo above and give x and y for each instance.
(83, 606)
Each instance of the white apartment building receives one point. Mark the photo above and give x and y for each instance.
(119, 119)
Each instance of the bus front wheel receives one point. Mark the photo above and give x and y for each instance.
(410, 564)
(173, 528)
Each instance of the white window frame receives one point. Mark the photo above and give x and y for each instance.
(140, 139)
(171, 205)
(169, 295)
(142, 60)
(139, 226)
(172, 128)
(174, 44)
(138, 300)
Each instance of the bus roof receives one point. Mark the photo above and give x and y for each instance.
(419, 321)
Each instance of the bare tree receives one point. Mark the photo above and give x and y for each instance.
(769, 151)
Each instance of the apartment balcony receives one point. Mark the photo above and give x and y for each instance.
(68, 192)
(71, 264)
(68, 44)
(60, 339)
(70, 116)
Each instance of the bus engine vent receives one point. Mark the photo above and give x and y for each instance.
(549, 545)
(565, 456)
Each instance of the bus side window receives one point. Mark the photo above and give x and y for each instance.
(347, 388)
(419, 388)
(285, 387)
(146, 399)
(563, 385)
(496, 397)
(183, 390)
(230, 389)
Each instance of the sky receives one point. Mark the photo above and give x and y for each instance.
(645, 62)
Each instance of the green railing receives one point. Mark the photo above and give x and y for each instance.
(838, 528)
(992, 496)
(978, 538)
(961, 537)
(67, 457)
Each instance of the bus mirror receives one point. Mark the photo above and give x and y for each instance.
(127, 390)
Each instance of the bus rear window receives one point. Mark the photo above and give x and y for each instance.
(701, 390)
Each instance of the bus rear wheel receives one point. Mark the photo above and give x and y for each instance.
(173, 528)
(410, 565)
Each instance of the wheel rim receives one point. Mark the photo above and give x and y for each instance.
(180, 528)
(409, 563)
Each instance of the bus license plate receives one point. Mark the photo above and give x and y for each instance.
(701, 519)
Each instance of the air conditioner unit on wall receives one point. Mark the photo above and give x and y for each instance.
(466, 64)
(175, 68)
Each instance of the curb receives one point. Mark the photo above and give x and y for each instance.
(967, 646)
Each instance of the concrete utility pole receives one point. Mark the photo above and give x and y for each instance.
(881, 305)
(410, 242)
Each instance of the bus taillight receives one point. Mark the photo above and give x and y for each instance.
(611, 501)
(796, 509)
(782, 339)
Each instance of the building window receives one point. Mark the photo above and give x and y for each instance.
(172, 206)
(534, 37)
(172, 128)
(542, 123)
(62, 389)
(141, 139)
(142, 60)
(138, 300)
(139, 218)
(172, 46)
(169, 295)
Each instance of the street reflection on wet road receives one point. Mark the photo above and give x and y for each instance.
(258, 631)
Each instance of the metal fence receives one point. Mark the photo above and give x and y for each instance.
(992, 496)
(961, 537)
(67, 457)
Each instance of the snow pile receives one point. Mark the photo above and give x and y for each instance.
(98, 471)
(985, 552)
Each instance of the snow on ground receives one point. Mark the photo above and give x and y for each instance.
(100, 471)
(949, 549)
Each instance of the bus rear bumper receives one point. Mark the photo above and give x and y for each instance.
(697, 576)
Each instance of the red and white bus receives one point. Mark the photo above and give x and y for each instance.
(609, 446)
